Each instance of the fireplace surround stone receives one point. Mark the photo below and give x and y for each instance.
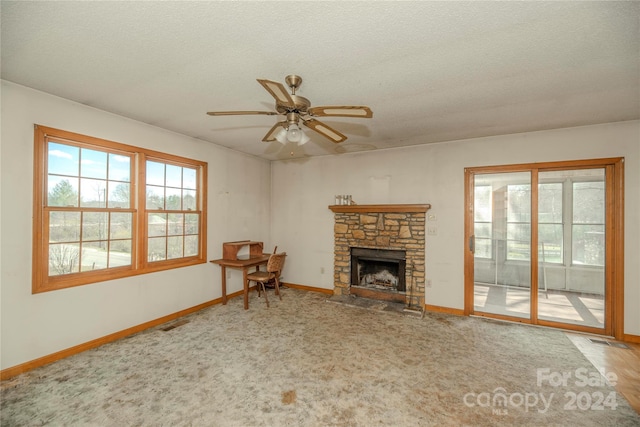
(400, 227)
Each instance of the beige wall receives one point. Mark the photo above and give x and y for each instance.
(283, 203)
(33, 326)
(434, 173)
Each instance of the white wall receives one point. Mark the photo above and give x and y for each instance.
(33, 326)
(434, 173)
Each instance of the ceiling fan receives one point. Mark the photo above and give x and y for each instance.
(296, 109)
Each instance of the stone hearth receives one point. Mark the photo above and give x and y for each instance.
(400, 227)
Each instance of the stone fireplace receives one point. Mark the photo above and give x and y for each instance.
(379, 252)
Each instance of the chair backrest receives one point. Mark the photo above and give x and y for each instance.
(276, 262)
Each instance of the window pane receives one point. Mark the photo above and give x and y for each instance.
(189, 201)
(482, 203)
(588, 202)
(119, 167)
(189, 177)
(174, 176)
(64, 259)
(62, 191)
(482, 229)
(94, 225)
(93, 164)
(173, 199)
(174, 247)
(191, 246)
(93, 193)
(120, 253)
(157, 224)
(191, 223)
(63, 159)
(519, 232)
(94, 256)
(483, 248)
(121, 224)
(519, 203)
(550, 203)
(64, 226)
(155, 173)
(119, 194)
(157, 249)
(175, 226)
(588, 244)
(550, 243)
(155, 197)
(518, 238)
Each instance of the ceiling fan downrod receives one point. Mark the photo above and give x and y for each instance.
(294, 82)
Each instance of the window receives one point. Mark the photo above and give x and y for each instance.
(104, 210)
(588, 223)
(171, 217)
(482, 213)
(550, 225)
(583, 225)
(518, 221)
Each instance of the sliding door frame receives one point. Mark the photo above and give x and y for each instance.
(614, 243)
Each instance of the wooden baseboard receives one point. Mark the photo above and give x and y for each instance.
(45, 360)
(631, 338)
(36, 363)
(447, 310)
(308, 288)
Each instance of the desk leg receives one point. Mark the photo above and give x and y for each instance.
(246, 288)
(224, 284)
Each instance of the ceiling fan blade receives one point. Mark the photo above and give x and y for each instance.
(271, 135)
(237, 113)
(324, 130)
(278, 91)
(342, 111)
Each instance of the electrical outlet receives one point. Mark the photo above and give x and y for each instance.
(432, 231)
(428, 283)
(321, 270)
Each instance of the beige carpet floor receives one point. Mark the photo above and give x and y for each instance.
(307, 361)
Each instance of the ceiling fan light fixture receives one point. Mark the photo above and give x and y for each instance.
(281, 136)
(303, 138)
(294, 134)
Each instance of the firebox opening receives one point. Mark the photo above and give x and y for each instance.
(378, 269)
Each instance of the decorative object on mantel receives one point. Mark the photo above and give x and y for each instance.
(344, 200)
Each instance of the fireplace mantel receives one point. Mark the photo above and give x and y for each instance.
(378, 208)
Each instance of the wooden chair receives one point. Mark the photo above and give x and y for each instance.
(274, 269)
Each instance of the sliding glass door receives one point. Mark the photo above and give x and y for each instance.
(572, 246)
(541, 244)
(502, 230)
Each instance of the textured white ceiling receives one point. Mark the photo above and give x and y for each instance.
(430, 71)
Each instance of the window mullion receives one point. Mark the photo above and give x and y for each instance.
(141, 204)
(567, 217)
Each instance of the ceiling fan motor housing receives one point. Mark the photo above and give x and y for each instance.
(302, 104)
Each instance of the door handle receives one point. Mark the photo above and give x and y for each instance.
(472, 243)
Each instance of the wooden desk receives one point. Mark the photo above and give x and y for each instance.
(240, 264)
